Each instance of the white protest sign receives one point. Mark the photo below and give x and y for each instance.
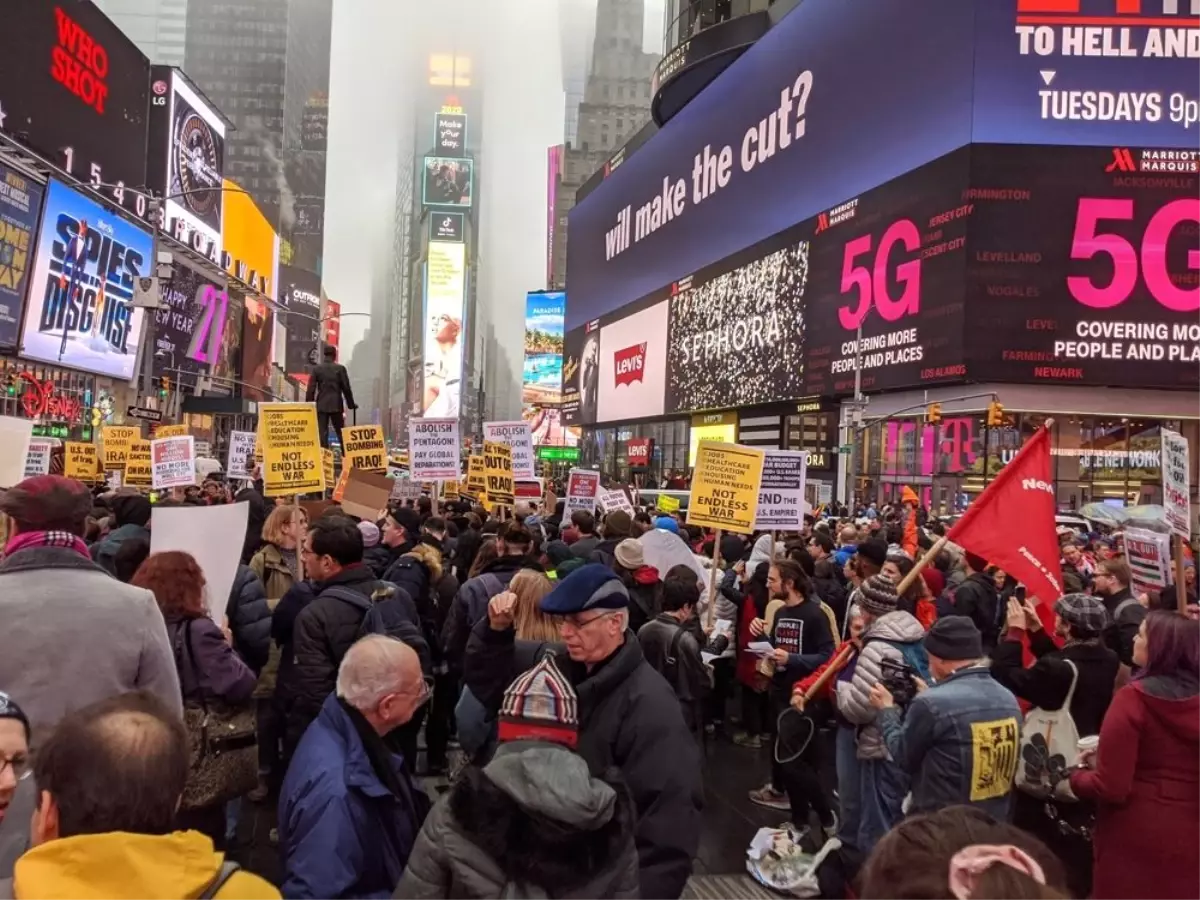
(1176, 483)
(241, 454)
(781, 505)
(1149, 555)
(404, 488)
(173, 462)
(433, 453)
(583, 486)
(519, 438)
(15, 435)
(611, 501)
(37, 460)
(214, 535)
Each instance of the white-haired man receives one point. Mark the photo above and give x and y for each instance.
(349, 811)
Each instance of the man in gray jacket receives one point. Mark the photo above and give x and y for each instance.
(73, 634)
(891, 637)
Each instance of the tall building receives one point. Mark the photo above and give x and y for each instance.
(158, 27)
(615, 105)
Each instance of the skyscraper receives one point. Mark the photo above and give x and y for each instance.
(158, 27)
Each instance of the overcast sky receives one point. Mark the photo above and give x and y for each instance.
(374, 42)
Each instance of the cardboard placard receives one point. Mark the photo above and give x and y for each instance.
(498, 470)
(81, 461)
(725, 487)
(1175, 480)
(781, 504)
(291, 451)
(139, 472)
(173, 462)
(167, 431)
(433, 449)
(242, 445)
(519, 438)
(668, 504)
(366, 494)
(15, 444)
(1149, 555)
(327, 465)
(339, 489)
(116, 440)
(476, 476)
(214, 535)
(363, 447)
(37, 460)
(611, 501)
(583, 488)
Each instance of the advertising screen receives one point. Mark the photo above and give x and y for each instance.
(541, 381)
(445, 283)
(1084, 266)
(258, 332)
(314, 123)
(189, 327)
(300, 296)
(547, 427)
(87, 260)
(446, 226)
(251, 244)
(331, 324)
(447, 181)
(74, 88)
(195, 162)
(737, 338)
(20, 201)
(581, 374)
(892, 260)
(450, 133)
(632, 369)
(725, 432)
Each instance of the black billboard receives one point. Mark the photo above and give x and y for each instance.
(450, 134)
(188, 326)
(446, 226)
(447, 181)
(75, 89)
(300, 297)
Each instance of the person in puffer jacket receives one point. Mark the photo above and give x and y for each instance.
(882, 784)
(533, 822)
(249, 617)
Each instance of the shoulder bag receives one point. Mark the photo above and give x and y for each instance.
(1048, 739)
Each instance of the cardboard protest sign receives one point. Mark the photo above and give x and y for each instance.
(340, 488)
(668, 504)
(1175, 481)
(781, 504)
(139, 471)
(583, 486)
(241, 454)
(116, 440)
(366, 494)
(37, 460)
(166, 431)
(476, 477)
(405, 489)
(80, 461)
(173, 462)
(498, 470)
(517, 436)
(214, 535)
(291, 451)
(451, 489)
(725, 487)
(363, 447)
(327, 465)
(433, 449)
(1149, 555)
(611, 501)
(15, 440)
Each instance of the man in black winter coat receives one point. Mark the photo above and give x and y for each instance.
(327, 385)
(976, 598)
(249, 617)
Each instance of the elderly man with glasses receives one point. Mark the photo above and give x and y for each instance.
(628, 714)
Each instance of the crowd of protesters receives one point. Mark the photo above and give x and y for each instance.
(582, 688)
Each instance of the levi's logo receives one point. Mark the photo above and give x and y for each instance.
(629, 365)
(1122, 161)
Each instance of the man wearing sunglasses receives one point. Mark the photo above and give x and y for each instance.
(628, 714)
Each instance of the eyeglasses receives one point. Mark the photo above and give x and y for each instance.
(576, 625)
(20, 767)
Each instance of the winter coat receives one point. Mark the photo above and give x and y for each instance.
(249, 617)
(644, 599)
(256, 515)
(1045, 684)
(977, 599)
(124, 864)
(327, 384)
(471, 602)
(628, 718)
(854, 695)
(1123, 626)
(283, 630)
(277, 578)
(532, 823)
(1146, 783)
(415, 573)
(679, 662)
(833, 595)
(378, 559)
(208, 667)
(342, 832)
(584, 545)
(104, 551)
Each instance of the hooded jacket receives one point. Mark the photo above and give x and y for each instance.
(415, 573)
(181, 864)
(854, 694)
(1146, 784)
(532, 823)
(104, 551)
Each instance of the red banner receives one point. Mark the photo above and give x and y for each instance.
(638, 451)
(1011, 525)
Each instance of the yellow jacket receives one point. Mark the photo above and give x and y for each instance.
(119, 864)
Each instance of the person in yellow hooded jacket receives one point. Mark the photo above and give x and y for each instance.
(109, 781)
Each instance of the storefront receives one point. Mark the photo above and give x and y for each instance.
(607, 449)
(62, 403)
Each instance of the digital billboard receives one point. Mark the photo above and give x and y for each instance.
(300, 297)
(446, 226)
(541, 381)
(450, 133)
(445, 286)
(189, 325)
(447, 181)
(85, 266)
(251, 253)
(258, 334)
(632, 369)
(581, 374)
(20, 202)
(74, 88)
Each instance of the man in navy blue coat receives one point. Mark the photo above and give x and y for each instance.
(349, 810)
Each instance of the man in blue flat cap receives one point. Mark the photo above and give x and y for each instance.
(628, 714)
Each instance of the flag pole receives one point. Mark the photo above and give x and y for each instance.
(712, 580)
(1180, 591)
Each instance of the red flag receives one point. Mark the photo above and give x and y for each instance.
(1011, 525)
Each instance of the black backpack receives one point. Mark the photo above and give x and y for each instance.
(383, 614)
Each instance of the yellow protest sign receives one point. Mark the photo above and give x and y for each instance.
(363, 447)
(450, 490)
(166, 431)
(667, 503)
(327, 464)
(80, 461)
(725, 487)
(291, 451)
(117, 439)
(476, 479)
(138, 469)
(498, 472)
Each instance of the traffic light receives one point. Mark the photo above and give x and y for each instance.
(995, 414)
(164, 386)
(933, 414)
(10, 383)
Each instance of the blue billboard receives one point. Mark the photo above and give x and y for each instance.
(542, 378)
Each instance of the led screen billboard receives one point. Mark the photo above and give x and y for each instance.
(541, 381)
(300, 297)
(189, 326)
(20, 202)
(445, 286)
(447, 181)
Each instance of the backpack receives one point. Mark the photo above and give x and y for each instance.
(1048, 739)
(380, 616)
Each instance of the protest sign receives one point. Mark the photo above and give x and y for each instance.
(405, 489)
(433, 449)
(173, 462)
(166, 431)
(476, 477)
(116, 439)
(114, 480)
(451, 489)
(725, 487)
(1175, 482)
(138, 469)
(666, 503)
(15, 442)
(81, 461)
(327, 464)
(583, 486)
(498, 469)
(611, 501)
(213, 535)
(291, 451)
(1149, 555)
(241, 454)
(37, 460)
(363, 447)
(517, 436)
(339, 489)
(366, 494)
(781, 505)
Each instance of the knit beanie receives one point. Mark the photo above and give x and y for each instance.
(954, 638)
(10, 710)
(370, 534)
(877, 595)
(540, 705)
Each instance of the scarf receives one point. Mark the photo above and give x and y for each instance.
(64, 539)
(378, 753)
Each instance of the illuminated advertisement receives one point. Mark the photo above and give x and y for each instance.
(20, 201)
(632, 370)
(300, 297)
(331, 324)
(541, 381)
(446, 226)
(251, 244)
(547, 427)
(713, 427)
(450, 133)
(445, 284)
(79, 313)
(189, 325)
(447, 181)
(258, 332)
(581, 374)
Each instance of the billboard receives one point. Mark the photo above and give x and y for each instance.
(632, 369)
(258, 334)
(447, 181)
(450, 133)
(446, 226)
(331, 324)
(85, 266)
(314, 123)
(74, 88)
(581, 374)
(541, 381)
(20, 202)
(300, 297)
(445, 287)
(189, 326)
(251, 245)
